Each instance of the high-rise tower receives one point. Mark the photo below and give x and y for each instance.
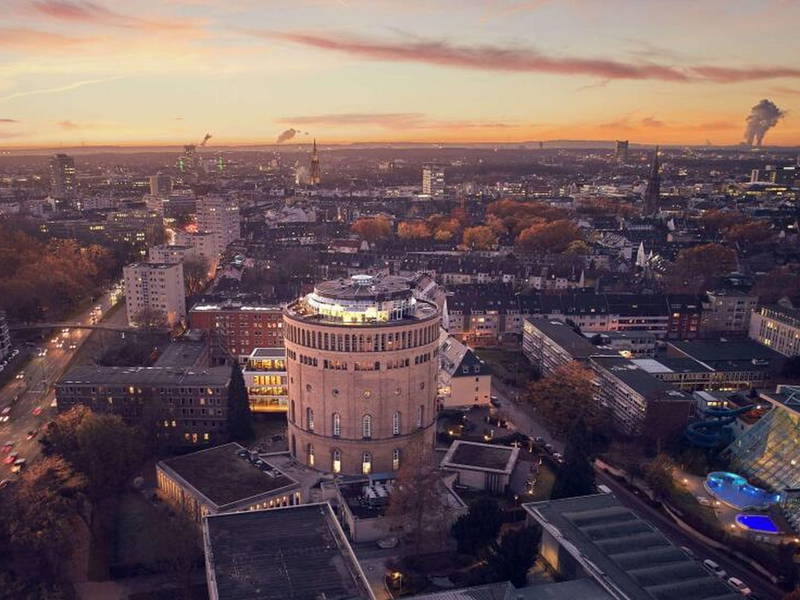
(621, 151)
(652, 192)
(62, 177)
(314, 177)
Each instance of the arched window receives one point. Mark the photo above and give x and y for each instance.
(336, 427)
(309, 419)
(366, 463)
(396, 423)
(310, 455)
(366, 427)
(336, 460)
(395, 459)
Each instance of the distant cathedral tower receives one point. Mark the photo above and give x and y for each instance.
(314, 177)
(652, 192)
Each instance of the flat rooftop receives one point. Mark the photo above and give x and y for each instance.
(475, 455)
(666, 364)
(727, 355)
(146, 376)
(268, 353)
(224, 477)
(294, 553)
(637, 378)
(627, 553)
(565, 336)
(366, 287)
(183, 353)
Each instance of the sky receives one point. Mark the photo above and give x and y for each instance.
(149, 72)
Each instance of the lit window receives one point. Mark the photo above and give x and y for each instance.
(395, 459)
(366, 463)
(366, 427)
(309, 419)
(396, 423)
(336, 465)
(310, 455)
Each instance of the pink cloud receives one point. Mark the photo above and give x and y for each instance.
(91, 12)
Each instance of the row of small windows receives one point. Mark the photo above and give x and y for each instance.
(366, 422)
(364, 365)
(366, 342)
(336, 460)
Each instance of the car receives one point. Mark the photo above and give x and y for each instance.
(740, 586)
(21, 375)
(65, 330)
(32, 434)
(687, 551)
(36, 411)
(714, 568)
(73, 346)
(42, 352)
(15, 351)
(603, 489)
(11, 458)
(5, 418)
(539, 440)
(558, 457)
(549, 448)
(494, 401)
(705, 501)
(4, 483)
(8, 446)
(19, 464)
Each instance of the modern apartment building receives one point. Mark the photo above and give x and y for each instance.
(219, 216)
(433, 181)
(238, 328)
(362, 360)
(5, 337)
(152, 288)
(727, 313)
(778, 328)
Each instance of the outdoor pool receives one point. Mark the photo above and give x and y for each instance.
(733, 490)
(757, 523)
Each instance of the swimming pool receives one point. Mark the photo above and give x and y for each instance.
(757, 523)
(733, 490)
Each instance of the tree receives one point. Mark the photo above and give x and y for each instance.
(479, 238)
(373, 229)
(240, 418)
(752, 232)
(151, 319)
(778, 283)
(576, 476)
(515, 554)
(791, 368)
(566, 395)
(697, 267)
(413, 230)
(717, 221)
(195, 273)
(548, 237)
(578, 247)
(659, 475)
(418, 502)
(181, 544)
(479, 527)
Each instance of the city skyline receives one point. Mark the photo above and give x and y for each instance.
(162, 73)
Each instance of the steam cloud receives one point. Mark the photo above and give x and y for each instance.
(287, 135)
(763, 117)
(205, 139)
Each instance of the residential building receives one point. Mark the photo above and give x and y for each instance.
(238, 328)
(726, 312)
(549, 344)
(297, 552)
(777, 328)
(154, 290)
(219, 216)
(433, 181)
(225, 478)
(203, 244)
(464, 379)
(621, 151)
(166, 254)
(598, 538)
(185, 406)
(628, 344)
(641, 405)
(160, 185)
(482, 467)
(266, 380)
(362, 360)
(5, 337)
(63, 187)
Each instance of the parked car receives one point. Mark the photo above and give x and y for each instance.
(740, 586)
(21, 375)
(714, 568)
(36, 411)
(688, 551)
(705, 501)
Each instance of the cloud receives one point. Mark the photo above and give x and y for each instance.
(8, 121)
(64, 88)
(786, 91)
(18, 38)
(398, 121)
(84, 11)
(68, 125)
(518, 59)
(629, 123)
(652, 122)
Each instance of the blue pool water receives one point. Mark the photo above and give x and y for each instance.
(759, 523)
(733, 490)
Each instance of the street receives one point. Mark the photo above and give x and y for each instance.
(522, 418)
(35, 392)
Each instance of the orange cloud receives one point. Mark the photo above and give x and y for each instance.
(519, 59)
(31, 39)
(69, 125)
(8, 121)
(388, 121)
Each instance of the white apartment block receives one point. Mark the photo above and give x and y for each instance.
(219, 216)
(170, 255)
(203, 245)
(778, 328)
(157, 287)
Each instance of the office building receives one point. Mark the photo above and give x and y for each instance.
(238, 328)
(185, 406)
(160, 185)
(481, 467)
(62, 178)
(155, 290)
(464, 379)
(297, 552)
(595, 537)
(777, 328)
(433, 181)
(219, 216)
(5, 337)
(621, 151)
(225, 478)
(265, 377)
(362, 360)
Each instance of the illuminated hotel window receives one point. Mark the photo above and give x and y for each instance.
(366, 427)
(366, 463)
(310, 455)
(395, 459)
(310, 419)
(337, 425)
(336, 463)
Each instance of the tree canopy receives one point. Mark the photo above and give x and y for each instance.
(566, 395)
(514, 555)
(240, 418)
(481, 237)
(373, 229)
(478, 528)
(576, 476)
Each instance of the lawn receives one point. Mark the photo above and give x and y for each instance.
(510, 366)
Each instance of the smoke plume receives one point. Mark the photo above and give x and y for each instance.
(205, 139)
(287, 135)
(763, 117)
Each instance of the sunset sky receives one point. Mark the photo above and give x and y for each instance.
(168, 71)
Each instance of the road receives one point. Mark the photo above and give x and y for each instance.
(523, 419)
(32, 398)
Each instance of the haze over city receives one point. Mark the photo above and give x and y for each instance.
(79, 72)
